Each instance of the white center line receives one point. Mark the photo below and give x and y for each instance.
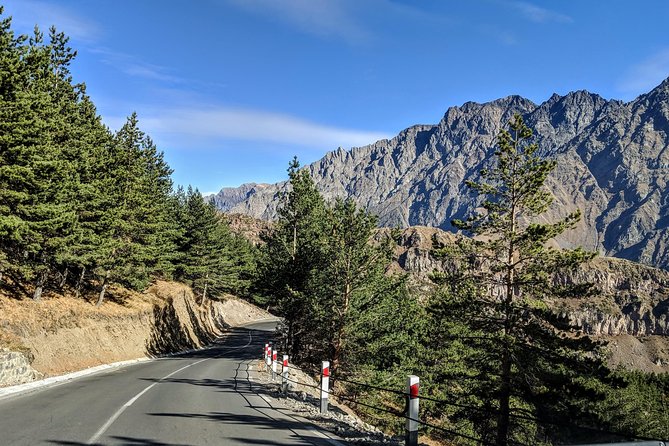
(132, 400)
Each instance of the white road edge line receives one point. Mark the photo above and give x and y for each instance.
(132, 400)
(54, 381)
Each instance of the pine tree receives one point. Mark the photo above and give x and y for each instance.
(72, 198)
(352, 280)
(12, 169)
(37, 165)
(291, 255)
(136, 233)
(208, 252)
(91, 142)
(517, 355)
(365, 323)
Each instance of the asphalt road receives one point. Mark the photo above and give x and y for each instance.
(200, 398)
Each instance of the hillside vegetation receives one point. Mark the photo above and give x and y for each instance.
(83, 208)
(499, 335)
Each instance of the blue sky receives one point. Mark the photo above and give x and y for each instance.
(230, 90)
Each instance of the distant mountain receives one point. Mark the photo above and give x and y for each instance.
(229, 197)
(613, 164)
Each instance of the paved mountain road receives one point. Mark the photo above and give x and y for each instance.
(199, 398)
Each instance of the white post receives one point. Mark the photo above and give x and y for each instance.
(268, 356)
(325, 384)
(264, 354)
(413, 385)
(274, 361)
(284, 374)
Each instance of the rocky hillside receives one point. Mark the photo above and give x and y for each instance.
(613, 164)
(630, 309)
(64, 334)
(229, 197)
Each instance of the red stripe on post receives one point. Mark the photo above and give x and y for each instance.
(413, 394)
(285, 363)
(326, 371)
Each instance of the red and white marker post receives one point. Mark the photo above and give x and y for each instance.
(284, 374)
(268, 356)
(413, 385)
(274, 361)
(325, 384)
(264, 355)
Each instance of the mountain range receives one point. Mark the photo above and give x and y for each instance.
(612, 164)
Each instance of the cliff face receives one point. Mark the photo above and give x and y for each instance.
(634, 299)
(629, 310)
(613, 164)
(631, 299)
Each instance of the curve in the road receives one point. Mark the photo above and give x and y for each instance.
(200, 398)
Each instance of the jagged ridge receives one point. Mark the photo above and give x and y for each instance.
(613, 164)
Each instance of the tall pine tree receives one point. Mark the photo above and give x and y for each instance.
(291, 255)
(136, 232)
(519, 360)
(208, 252)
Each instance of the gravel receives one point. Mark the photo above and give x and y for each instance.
(303, 398)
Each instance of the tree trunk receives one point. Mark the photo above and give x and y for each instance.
(505, 372)
(204, 292)
(504, 400)
(104, 288)
(77, 292)
(63, 278)
(339, 341)
(289, 338)
(37, 295)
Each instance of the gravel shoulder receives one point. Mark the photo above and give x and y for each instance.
(303, 399)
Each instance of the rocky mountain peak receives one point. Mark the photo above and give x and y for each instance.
(613, 165)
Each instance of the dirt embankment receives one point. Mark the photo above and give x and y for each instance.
(63, 334)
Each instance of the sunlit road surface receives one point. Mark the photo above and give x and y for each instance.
(200, 398)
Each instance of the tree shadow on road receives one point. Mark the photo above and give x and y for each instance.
(128, 441)
(256, 422)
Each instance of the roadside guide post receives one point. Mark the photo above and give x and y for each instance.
(325, 383)
(274, 361)
(284, 374)
(413, 385)
(268, 356)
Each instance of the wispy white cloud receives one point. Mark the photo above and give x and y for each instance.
(181, 125)
(645, 75)
(322, 18)
(540, 15)
(135, 67)
(28, 13)
(502, 36)
(353, 21)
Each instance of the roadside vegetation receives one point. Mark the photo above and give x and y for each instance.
(498, 366)
(83, 208)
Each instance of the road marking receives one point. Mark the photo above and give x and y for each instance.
(132, 400)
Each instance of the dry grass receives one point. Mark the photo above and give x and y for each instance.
(63, 333)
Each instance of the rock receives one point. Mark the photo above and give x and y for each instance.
(15, 368)
(613, 165)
